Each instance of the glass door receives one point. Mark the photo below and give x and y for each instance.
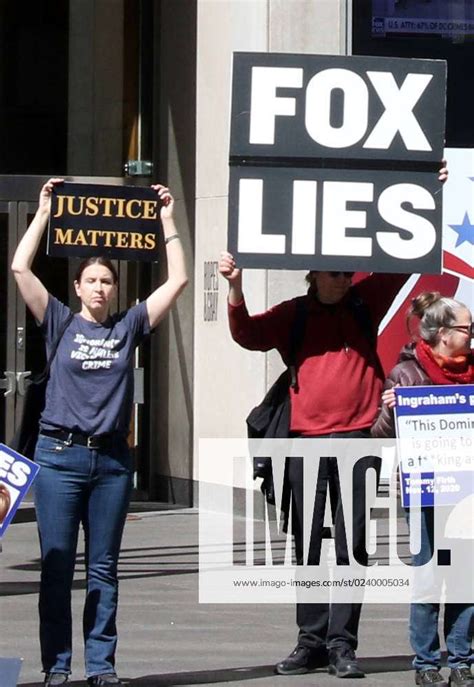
(8, 229)
(21, 344)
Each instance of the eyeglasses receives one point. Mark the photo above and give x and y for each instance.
(466, 328)
(347, 275)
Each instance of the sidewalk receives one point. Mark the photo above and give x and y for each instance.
(166, 637)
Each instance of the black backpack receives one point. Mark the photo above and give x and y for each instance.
(271, 418)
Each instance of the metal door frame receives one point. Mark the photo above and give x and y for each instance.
(11, 210)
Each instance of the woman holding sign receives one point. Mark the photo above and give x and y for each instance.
(440, 355)
(86, 469)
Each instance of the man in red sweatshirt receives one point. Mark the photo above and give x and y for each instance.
(339, 386)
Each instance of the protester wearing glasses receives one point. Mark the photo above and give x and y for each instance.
(86, 468)
(339, 384)
(439, 354)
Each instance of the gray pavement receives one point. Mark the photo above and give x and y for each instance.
(165, 636)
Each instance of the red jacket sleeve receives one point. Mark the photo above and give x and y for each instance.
(270, 329)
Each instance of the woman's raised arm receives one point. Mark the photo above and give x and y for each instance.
(33, 291)
(162, 299)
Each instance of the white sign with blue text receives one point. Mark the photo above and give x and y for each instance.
(435, 430)
(16, 474)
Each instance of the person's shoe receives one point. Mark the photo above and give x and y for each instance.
(432, 676)
(54, 679)
(461, 677)
(104, 680)
(343, 663)
(302, 660)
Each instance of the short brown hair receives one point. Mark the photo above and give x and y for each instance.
(96, 260)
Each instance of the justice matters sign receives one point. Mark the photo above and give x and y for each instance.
(120, 222)
(333, 162)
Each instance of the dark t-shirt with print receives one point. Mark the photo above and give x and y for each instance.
(90, 388)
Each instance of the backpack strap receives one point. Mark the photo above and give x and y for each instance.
(363, 318)
(296, 337)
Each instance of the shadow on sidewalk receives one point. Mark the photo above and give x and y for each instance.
(200, 677)
(379, 664)
(386, 664)
(203, 677)
(135, 563)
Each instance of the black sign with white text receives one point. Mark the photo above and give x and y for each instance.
(334, 219)
(120, 222)
(322, 106)
(333, 162)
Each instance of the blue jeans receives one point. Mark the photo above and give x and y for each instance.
(76, 484)
(458, 618)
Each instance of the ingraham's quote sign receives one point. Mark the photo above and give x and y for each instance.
(120, 222)
(333, 162)
(435, 426)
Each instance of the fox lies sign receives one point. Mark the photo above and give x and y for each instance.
(120, 222)
(333, 162)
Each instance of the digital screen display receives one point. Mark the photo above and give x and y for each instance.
(449, 19)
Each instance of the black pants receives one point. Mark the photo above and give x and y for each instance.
(321, 624)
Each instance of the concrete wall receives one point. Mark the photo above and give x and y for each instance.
(229, 381)
(174, 145)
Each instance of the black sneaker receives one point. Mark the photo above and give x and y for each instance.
(53, 679)
(104, 680)
(430, 677)
(302, 659)
(461, 677)
(343, 663)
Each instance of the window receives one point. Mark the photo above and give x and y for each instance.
(437, 29)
